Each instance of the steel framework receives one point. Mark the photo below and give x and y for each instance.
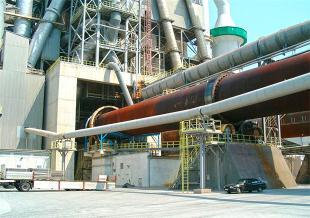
(88, 24)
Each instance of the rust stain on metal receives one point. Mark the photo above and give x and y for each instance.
(226, 87)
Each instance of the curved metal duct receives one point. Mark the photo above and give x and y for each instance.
(114, 66)
(172, 47)
(265, 45)
(44, 30)
(2, 9)
(204, 49)
(22, 26)
(218, 89)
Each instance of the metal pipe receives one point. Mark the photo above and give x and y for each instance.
(204, 51)
(44, 30)
(217, 89)
(2, 9)
(274, 91)
(263, 46)
(98, 37)
(223, 13)
(115, 21)
(114, 66)
(171, 43)
(23, 26)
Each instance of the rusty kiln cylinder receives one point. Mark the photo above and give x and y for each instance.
(225, 86)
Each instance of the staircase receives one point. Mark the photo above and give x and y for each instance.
(188, 156)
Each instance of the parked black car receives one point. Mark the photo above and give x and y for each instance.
(246, 185)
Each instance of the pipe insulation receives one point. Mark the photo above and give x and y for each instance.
(2, 10)
(218, 89)
(44, 30)
(263, 46)
(171, 43)
(274, 91)
(22, 26)
(204, 49)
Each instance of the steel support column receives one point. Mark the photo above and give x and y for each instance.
(202, 156)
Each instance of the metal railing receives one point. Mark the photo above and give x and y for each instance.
(162, 74)
(199, 124)
(77, 61)
(34, 71)
(63, 145)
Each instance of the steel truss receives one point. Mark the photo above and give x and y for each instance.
(88, 24)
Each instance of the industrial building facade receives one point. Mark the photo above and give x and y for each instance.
(75, 61)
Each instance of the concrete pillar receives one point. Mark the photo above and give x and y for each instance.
(303, 176)
(60, 111)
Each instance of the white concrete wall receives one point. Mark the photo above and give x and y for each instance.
(21, 96)
(138, 169)
(60, 112)
(90, 73)
(133, 169)
(102, 166)
(163, 172)
(128, 168)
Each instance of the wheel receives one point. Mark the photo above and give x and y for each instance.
(229, 192)
(250, 191)
(238, 190)
(24, 186)
(259, 189)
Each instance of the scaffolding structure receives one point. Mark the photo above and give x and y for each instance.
(272, 129)
(89, 23)
(148, 37)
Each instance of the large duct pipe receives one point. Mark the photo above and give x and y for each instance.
(44, 30)
(223, 13)
(204, 49)
(171, 43)
(114, 66)
(115, 21)
(278, 90)
(2, 9)
(22, 26)
(218, 89)
(264, 46)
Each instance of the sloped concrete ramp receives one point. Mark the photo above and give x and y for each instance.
(248, 161)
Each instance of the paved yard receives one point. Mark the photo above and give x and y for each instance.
(155, 203)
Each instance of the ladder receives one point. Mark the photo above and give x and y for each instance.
(187, 158)
(184, 153)
(148, 37)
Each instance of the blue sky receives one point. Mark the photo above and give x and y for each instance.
(262, 17)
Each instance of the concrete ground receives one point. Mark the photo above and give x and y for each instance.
(155, 203)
